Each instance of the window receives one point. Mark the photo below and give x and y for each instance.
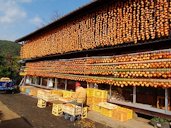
(33, 80)
(38, 80)
(61, 84)
(122, 94)
(44, 81)
(71, 85)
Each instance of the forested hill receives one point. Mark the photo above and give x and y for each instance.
(9, 48)
(9, 57)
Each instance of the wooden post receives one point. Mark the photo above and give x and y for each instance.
(166, 100)
(66, 84)
(134, 94)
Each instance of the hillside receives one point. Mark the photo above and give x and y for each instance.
(9, 48)
(9, 66)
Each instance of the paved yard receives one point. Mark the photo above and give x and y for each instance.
(27, 115)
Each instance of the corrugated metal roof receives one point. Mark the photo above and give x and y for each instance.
(62, 19)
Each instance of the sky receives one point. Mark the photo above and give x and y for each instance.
(21, 17)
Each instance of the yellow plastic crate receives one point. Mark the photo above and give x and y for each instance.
(57, 109)
(120, 115)
(33, 92)
(84, 113)
(98, 100)
(41, 103)
(89, 101)
(67, 94)
(100, 94)
(96, 108)
(123, 116)
(128, 112)
(93, 100)
(90, 92)
(57, 92)
(116, 115)
(106, 112)
(22, 88)
(121, 108)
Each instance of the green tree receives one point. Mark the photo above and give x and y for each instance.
(9, 57)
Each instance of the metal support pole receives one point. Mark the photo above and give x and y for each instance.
(36, 80)
(66, 84)
(47, 82)
(56, 83)
(166, 100)
(30, 79)
(134, 94)
(41, 81)
(110, 91)
(88, 85)
(24, 81)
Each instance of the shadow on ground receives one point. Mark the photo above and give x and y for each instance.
(16, 123)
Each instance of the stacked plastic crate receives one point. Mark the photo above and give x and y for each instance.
(94, 97)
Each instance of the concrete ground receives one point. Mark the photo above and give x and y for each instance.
(20, 111)
(133, 123)
(9, 119)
